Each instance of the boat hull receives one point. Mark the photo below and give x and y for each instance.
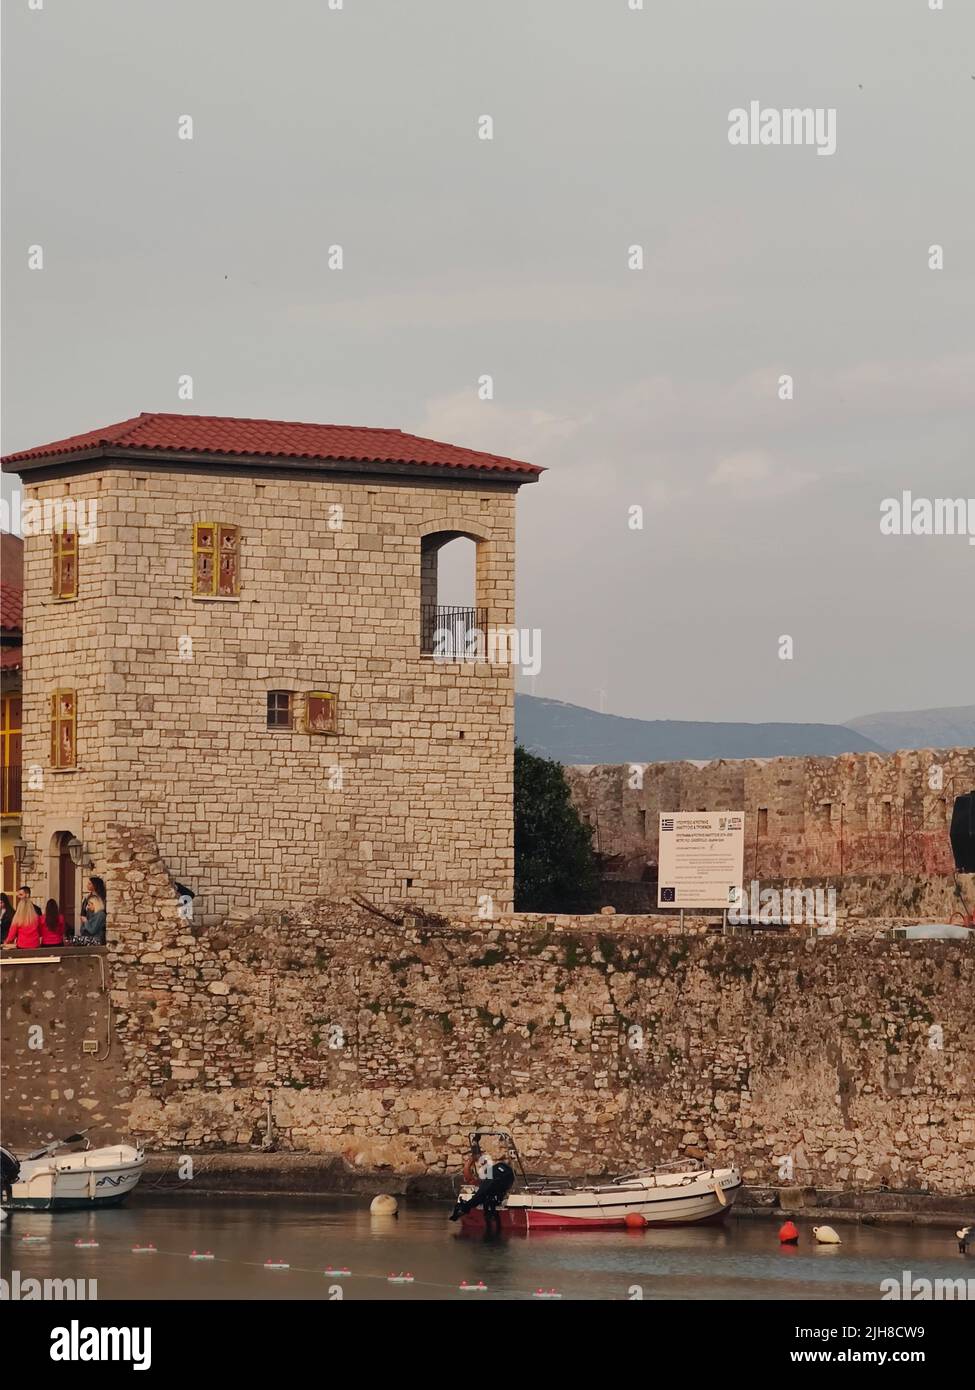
(92, 1179)
(608, 1208)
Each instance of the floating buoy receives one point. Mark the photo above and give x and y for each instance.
(399, 1279)
(546, 1293)
(201, 1255)
(341, 1273)
(275, 1264)
(479, 1287)
(825, 1235)
(788, 1235)
(965, 1238)
(86, 1244)
(635, 1220)
(383, 1205)
(143, 1250)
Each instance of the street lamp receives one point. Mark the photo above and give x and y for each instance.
(77, 851)
(21, 850)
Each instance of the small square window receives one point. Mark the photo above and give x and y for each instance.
(280, 709)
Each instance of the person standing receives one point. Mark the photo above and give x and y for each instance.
(23, 896)
(52, 925)
(94, 888)
(25, 928)
(93, 923)
(6, 915)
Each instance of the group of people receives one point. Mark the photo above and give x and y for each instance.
(29, 926)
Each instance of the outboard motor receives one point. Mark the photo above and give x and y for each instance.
(962, 833)
(9, 1170)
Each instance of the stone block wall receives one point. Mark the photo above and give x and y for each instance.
(806, 818)
(411, 794)
(603, 1044)
(51, 1004)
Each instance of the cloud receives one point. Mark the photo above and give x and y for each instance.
(758, 473)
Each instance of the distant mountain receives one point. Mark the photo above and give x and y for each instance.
(571, 734)
(920, 728)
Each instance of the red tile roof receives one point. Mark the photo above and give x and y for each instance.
(11, 608)
(224, 436)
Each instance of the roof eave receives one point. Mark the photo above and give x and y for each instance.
(56, 465)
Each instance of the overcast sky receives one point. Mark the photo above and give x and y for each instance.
(508, 257)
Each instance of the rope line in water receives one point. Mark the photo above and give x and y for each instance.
(297, 1269)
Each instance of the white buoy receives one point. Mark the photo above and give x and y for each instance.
(384, 1205)
(825, 1235)
(966, 1237)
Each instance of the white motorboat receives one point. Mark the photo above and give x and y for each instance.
(47, 1180)
(670, 1194)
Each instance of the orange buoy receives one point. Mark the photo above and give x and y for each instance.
(788, 1235)
(635, 1221)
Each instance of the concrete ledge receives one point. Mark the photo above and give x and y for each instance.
(303, 1175)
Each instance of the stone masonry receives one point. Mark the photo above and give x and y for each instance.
(856, 815)
(412, 794)
(602, 1046)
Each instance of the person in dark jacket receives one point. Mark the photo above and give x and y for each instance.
(495, 1181)
(6, 915)
(93, 923)
(94, 888)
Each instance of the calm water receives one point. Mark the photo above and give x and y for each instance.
(741, 1260)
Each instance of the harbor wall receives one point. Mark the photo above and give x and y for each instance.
(844, 1061)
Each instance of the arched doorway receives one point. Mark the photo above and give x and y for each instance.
(63, 877)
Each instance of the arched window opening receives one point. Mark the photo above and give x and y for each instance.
(451, 622)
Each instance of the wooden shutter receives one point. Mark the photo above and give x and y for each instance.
(204, 558)
(63, 728)
(228, 575)
(65, 556)
(321, 712)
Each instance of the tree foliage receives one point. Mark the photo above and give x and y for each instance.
(555, 866)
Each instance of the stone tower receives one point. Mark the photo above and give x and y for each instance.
(233, 639)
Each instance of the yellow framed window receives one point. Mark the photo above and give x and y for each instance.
(11, 730)
(216, 560)
(65, 557)
(321, 712)
(64, 728)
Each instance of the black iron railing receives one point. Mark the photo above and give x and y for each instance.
(450, 633)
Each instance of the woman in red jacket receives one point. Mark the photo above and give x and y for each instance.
(52, 925)
(25, 929)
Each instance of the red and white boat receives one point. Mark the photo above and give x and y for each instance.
(670, 1194)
